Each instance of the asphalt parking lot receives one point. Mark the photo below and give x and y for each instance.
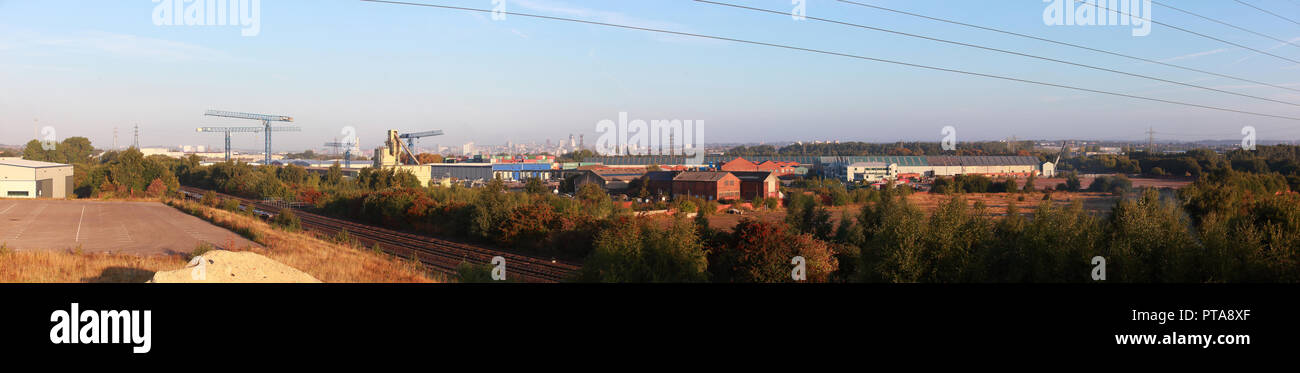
(140, 228)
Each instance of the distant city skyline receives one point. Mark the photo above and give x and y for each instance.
(84, 67)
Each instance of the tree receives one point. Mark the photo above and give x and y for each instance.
(760, 251)
(427, 158)
(633, 251)
(534, 186)
(292, 174)
(335, 175)
(156, 188)
(1150, 240)
(1072, 182)
(527, 226)
(1029, 184)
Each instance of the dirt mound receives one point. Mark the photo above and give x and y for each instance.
(220, 266)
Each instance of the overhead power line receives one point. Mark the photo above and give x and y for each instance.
(1266, 11)
(1099, 6)
(1117, 54)
(1098, 68)
(1227, 24)
(847, 55)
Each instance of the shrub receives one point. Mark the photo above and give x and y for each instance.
(230, 204)
(202, 248)
(287, 220)
(469, 273)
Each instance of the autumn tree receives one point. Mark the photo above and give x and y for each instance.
(759, 251)
(633, 251)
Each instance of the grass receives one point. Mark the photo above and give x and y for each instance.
(325, 260)
(68, 266)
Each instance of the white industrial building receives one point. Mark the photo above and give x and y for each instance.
(866, 172)
(20, 178)
(877, 168)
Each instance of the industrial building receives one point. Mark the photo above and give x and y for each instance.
(711, 185)
(609, 179)
(660, 183)
(865, 172)
(759, 184)
(461, 171)
(878, 168)
(779, 167)
(522, 171)
(20, 178)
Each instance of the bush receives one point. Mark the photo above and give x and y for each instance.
(759, 251)
(469, 273)
(210, 199)
(202, 248)
(287, 220)
(230, 204)
(1117, 185)
(633, 251)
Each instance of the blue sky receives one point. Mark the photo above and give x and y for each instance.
(84, 67)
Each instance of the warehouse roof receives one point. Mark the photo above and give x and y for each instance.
(996, 160)
(30, 164)
(753, 175)
(701, 176)
(901, 160)
(661, 175)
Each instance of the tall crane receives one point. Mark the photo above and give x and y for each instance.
(266, 124)
(411, 137)
(347, 151)
(229, 130)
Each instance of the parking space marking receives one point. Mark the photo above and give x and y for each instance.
(79, 220)
(35, 213)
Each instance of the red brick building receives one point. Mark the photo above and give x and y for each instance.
(743, 165)
(660, 183)
(758, 184)
(711, 185)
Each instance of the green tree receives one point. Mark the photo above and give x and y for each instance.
(632, 251)
(534, 186)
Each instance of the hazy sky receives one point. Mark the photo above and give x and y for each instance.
(84, 67)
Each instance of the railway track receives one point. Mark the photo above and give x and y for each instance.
(439, 255)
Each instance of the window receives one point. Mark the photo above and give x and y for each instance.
(18, 193)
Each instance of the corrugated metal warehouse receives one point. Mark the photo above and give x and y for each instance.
(20, 178)
(461, 171)
(521, 171)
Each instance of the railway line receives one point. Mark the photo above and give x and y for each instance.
(439, 255)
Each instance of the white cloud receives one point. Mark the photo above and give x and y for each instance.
(1195, 55)
(570, 11)
(113, 44)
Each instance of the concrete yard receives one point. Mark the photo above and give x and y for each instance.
(139, 228)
